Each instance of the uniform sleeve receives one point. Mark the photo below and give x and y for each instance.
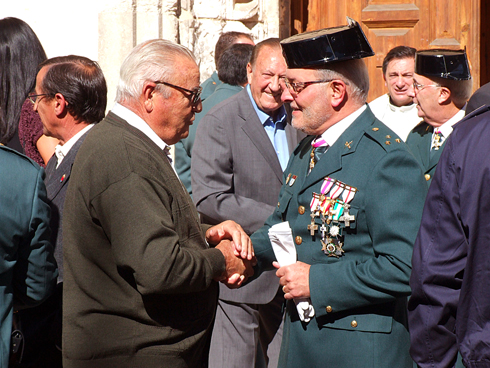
(393, 204)
(143, 229)
(439, 260)
(35, 272)
(213, 179)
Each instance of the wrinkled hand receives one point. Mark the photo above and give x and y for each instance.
(232, 231)
(238, 270)
(295, 279)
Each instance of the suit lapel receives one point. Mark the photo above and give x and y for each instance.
(291, 136)
(57, 178)
(424, 146)
(254, 129)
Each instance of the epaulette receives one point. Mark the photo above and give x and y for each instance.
(385, 137)
(21, 156)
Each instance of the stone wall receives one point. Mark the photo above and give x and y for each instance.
(195, 24)
(107, 30)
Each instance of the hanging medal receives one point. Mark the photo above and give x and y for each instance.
(327, 185)
(337, 189)
(333, 206)
(348, 193)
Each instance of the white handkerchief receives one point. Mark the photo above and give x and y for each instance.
(281, 238)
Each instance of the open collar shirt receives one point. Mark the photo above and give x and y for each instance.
(276, 130)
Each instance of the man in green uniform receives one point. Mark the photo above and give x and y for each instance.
(353, 212)
(441, 86)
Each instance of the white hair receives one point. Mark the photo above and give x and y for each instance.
(153, 60)
(352, 72)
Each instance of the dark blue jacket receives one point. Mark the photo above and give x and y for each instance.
(449, 309)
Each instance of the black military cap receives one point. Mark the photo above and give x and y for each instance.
(448, 64)
(317, 48)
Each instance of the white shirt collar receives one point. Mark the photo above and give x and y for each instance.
(401, 108)
(137, 122)
(335, 131)
(62, 150)
(447, 128)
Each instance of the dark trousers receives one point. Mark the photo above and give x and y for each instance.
(41, 327)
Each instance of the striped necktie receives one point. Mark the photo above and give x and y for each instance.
(319, 147)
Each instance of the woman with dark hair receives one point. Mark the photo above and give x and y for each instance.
(20, 126)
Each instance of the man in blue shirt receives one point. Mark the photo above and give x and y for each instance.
(233, 77)
(241, 149)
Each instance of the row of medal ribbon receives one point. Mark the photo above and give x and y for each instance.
(332, 191)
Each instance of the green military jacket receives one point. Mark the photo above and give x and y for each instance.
(360, 296)
(419, 141)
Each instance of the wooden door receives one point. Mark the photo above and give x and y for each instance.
(423, 24)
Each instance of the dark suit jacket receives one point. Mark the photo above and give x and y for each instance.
(419, 141)
(359, 298)
(448, 309)
(236, 175)
(56, 184)
(183, 148)
(138, 288)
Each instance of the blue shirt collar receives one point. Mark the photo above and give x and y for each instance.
(265, 118)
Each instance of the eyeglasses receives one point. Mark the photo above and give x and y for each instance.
(194, 95)
(418, 87)
(33, 98)
(297, 87)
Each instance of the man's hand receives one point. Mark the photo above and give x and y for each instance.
(237, 269)
(232, 231)
(295, 279)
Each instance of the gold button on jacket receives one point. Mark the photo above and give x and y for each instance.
(298, 240)
(328, 309)
(427, 177)
(301, 210)
(353, 324)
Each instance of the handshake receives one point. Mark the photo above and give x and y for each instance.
(237, 249)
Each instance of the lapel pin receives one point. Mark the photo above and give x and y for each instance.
(347, 144)
(62, 178)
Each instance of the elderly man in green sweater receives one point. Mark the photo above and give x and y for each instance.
(141, 271)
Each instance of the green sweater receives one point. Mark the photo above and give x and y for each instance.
(138, 288)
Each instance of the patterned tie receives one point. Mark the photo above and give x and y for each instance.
(319, 147)
(58, 152)
(437, 140)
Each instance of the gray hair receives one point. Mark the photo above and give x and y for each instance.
(354, 73)
(460, 89)
(153, 60)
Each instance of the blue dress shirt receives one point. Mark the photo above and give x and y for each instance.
(276, 130)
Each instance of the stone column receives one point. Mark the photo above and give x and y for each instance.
(259, 18)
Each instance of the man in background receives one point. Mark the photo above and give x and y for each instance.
(242, 147)
(224, 41)
(441, 87)
(232, 68)
(396, 108)
(71, 96)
